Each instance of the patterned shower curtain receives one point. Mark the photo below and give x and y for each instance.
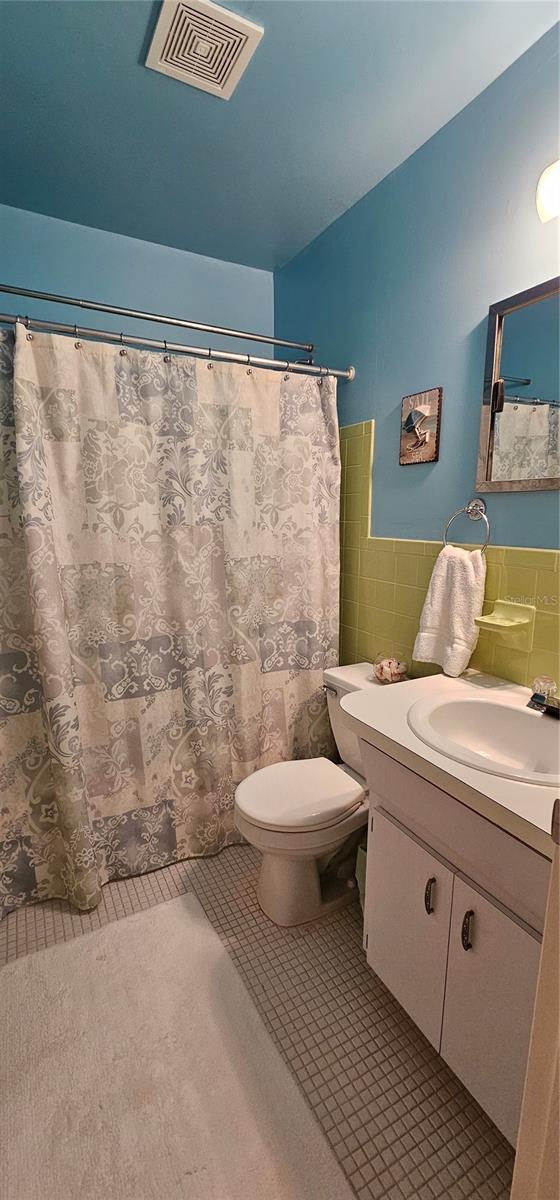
(168, 602)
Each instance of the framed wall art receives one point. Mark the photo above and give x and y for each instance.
(420, 425)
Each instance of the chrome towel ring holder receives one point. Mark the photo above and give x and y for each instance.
(475, 510)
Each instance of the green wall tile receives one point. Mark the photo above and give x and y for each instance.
(349, 613)
(353, 431)
(366, 459)
(384, 582)
(348, 645)
(519, 584)
(350, 560)
(405, 631)
(494, 554)
(351, 534)
(349, 587)
(384, 565)
(548, 589)
(384, 594)
(543, 662)
(353, 480)
(406, 568)
(510, 664)
(353, 507)
(354, 452)
(366, 591)
(424, 570)
(419, 670)
(366, 617)
(493, 587)
(483, 657)
(408, 600)
(534, 559)
(547, 632)
(384, 623)
(365, 644)
(367, 563)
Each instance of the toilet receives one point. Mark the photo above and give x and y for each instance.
(299, 814)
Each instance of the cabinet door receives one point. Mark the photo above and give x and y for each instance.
(408, 908)
(491, 982)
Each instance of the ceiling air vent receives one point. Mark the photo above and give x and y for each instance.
(203, 44)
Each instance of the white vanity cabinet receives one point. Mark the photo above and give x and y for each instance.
(408, 908)
(461, 962)
(489, 997)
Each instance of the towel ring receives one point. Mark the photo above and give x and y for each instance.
(475, 511)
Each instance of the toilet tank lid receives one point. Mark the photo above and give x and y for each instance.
(351, 678)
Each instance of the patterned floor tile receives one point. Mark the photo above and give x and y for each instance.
(400, 1123)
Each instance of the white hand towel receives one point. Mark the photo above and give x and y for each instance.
(447, 633)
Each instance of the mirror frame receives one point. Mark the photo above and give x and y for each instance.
(496, 315)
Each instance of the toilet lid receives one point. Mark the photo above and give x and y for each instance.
(298, 795)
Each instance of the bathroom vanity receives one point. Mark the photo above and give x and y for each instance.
(457, 876)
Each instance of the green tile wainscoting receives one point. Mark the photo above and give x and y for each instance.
(384, 582)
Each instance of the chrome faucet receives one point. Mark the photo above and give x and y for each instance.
(544, 698)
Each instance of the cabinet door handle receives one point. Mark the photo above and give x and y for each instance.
(429, 895)
(466, 930)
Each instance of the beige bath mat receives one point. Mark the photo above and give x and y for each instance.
(134, 1066)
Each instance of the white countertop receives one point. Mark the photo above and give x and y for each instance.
(380, 716)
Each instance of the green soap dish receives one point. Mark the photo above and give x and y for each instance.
(512, 623)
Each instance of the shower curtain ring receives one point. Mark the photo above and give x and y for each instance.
(77, 344)
(122, 349)
(28, 335)
(209, 364)
(166, 357)
(287, 375)
(249, 370)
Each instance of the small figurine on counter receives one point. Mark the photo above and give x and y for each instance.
(389, 670)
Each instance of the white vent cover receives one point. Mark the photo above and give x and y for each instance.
(203, 44)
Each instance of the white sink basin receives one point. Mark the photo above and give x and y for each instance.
(502, 739)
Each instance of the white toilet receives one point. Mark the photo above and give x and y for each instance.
(298, 814)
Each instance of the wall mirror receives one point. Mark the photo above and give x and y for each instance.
(518, 448)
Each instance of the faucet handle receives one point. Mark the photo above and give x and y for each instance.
(544, 686)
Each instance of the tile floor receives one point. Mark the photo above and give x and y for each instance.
(400, 1123)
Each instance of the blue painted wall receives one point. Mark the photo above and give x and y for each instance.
(49, 255)
(400, 286)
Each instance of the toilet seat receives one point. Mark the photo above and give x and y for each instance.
(292, 797)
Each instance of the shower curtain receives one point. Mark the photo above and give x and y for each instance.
(168, 601)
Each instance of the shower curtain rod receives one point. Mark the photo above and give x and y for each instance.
(125, 339)
(138, 315)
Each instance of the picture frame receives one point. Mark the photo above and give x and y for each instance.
(420, 427)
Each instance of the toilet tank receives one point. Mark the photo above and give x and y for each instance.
(338, 681)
